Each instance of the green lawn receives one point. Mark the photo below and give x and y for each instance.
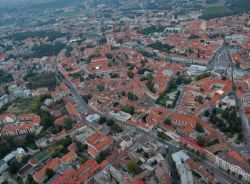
(65, 14)
(20, 106)
(32, 146)
(41, 156)
(214, 12)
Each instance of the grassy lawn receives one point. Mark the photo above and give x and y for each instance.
(41, 156)
(65, 14)
(214, 12)
(32, 146)
(20, 106)
(166, 101)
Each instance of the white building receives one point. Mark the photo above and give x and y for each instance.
(3, 166)
(196, 70)
(120, 116)
(18, 154)
(126, 143)
(184, 170)
(228, 165)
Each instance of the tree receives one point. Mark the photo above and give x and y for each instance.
(87, 97)
(5, 77)
(201, 140)
(206, 113)
(81, 147)
(133, 167)
(68, 123)
(199, 128)
(150, 86)
(102, 120)
(68, 51)
(167, 121)
(102, 156)
(29, 139)
(129, 109)
(200, 99)
(132, 96)
(110, 122)
(115, 129)
(193, 37)
(14, 166)
(5, 148)
(100, 88)
(130, 74)
(102, 41)
(49, 172)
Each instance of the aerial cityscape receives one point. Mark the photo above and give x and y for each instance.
(125, 92)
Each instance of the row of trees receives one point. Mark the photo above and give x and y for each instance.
(46, 50)
(38, 80)
(161, 47)
(51, 34)
(5, 77)
(152, 29)
(227, 121)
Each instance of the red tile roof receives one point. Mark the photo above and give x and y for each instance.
(182, 118)
(98, 142)
(71, 109)
(59, 121)
(41, 174)
(70, 156)
(191, 143)
(30, 117)
(86, 171)
(65, 178)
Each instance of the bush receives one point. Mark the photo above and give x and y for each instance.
(133, 167)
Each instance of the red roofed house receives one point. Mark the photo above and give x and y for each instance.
(7, 118)
(97, 143)
(184, 124)
(40, 176)
(65, 178)
(13, 130)
(98, 59)
(138, 181)
(84, 173)
(30, 117)
(60, 121)
(191, 144)
(71, 109)
(100, 67)
(69, 157)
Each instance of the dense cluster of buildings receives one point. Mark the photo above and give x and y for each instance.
(135, 98)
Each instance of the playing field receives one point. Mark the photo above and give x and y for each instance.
(40, 156)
